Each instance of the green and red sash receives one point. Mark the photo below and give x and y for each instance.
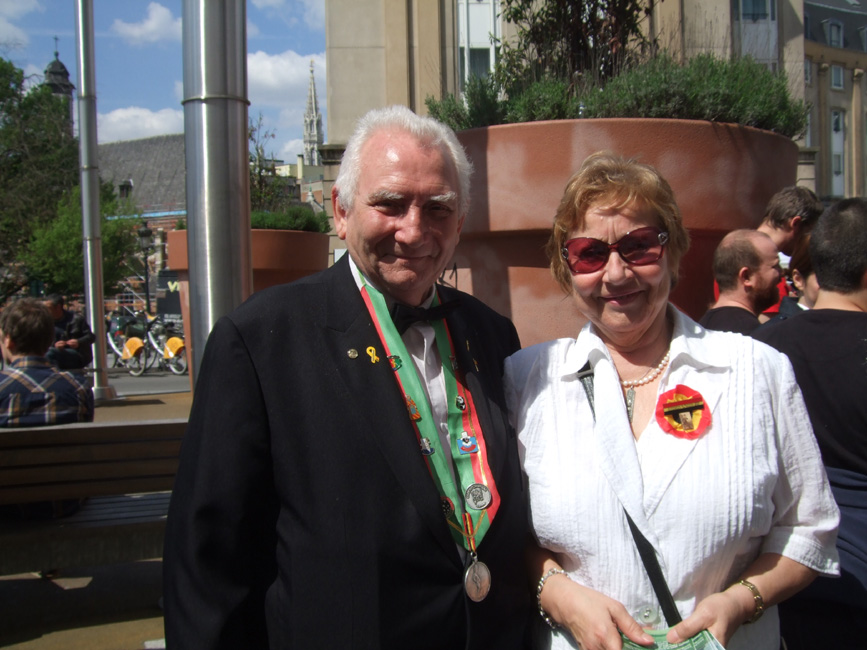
(468, 450)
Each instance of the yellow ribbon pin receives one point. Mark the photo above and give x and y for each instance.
(371, 352)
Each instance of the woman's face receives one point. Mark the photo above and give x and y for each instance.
(626, 303)
(809, 288)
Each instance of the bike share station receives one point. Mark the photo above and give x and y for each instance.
(142, 340)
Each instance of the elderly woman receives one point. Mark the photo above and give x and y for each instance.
(700, 438)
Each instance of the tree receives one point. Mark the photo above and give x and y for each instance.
(38, 165)
(55, 255)
(268, 191)
(558, 38)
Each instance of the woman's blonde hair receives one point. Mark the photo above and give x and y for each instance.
(609, 180)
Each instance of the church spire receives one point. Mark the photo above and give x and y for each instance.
(312, 125)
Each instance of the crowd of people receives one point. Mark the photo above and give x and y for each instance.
(372, 461)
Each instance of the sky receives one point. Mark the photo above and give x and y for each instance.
(139, 62)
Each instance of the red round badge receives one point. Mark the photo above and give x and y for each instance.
(683, 413)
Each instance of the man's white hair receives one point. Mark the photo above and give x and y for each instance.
(399, 118)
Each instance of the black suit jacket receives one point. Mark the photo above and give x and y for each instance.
(303, 514)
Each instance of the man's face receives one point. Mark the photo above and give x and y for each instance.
(405, 222)
(56, 310)
(4, 351)
(766, 278)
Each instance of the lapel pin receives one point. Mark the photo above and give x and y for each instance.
(352, 353)
(371, 352)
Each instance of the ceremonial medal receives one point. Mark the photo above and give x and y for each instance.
(394, 360)
(683, 413)
(468, 444)
(477, 580)
(426, 449)
(447, 506)
(460, 403)
(412, 408)
(478, 496)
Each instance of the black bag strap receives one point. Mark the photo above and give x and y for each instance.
(645, 548)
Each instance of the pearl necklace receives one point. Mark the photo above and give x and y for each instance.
(648, 377)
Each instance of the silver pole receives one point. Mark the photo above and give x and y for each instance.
(90, 221)
(218, 191)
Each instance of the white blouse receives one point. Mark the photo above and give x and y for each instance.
(752, 482)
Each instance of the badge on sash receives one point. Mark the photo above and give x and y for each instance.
(412, 408)
(683, 413)
(468, 444)
(426, 449)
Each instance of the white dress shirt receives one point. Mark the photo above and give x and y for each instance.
(752, 483)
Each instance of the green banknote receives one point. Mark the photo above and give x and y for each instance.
(702, 641)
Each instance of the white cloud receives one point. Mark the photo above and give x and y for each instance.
(290, 150)
(12, 37)
(18, 8)
(281, 80)
(134, 122)
(159, 25)
(314, 13)
(252, 29)
(179, 91)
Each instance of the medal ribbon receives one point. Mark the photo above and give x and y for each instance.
(467, 526)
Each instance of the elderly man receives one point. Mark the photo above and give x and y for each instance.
(747, 268)
(32, 392)
(349, 478)
(827, 346)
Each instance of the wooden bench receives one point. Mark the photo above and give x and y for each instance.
(126, 471)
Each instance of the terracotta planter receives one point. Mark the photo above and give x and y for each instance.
(722, 175)
(279, 256)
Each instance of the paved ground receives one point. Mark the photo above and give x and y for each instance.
(100, 608)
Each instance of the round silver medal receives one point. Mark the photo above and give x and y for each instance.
(477, 581)
(478, 496)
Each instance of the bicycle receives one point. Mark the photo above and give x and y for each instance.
(167, 346)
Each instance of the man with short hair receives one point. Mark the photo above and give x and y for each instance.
(349, 478)
(827, 346)
(32, 392)
(790, 214)
(747, 268)
(73, 341)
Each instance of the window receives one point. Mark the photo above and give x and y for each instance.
(837, 77)
(755, 9)
(862, 38)
(124, 189)
(808, 72)
(837, 121)
(837, 164)
(833, 32)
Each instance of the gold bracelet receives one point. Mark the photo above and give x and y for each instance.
(757, 598)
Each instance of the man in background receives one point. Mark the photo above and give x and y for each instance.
(747, 269)
(827, 346)
(32, 392)
(73, 340)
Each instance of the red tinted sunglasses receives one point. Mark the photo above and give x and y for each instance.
(639, 247)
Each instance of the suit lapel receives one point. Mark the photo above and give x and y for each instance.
(377, 401)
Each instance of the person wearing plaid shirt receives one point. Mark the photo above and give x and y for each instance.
(32, 392)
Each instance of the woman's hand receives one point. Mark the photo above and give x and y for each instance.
(721, 614)
(592, 618)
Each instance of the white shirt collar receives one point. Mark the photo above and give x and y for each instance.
(687, 343)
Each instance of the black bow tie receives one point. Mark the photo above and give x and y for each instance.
(404, 316)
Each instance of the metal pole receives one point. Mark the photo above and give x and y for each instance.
(218, 187)
(90, 222)
(147, 284)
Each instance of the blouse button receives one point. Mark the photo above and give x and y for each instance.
(648, 615)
